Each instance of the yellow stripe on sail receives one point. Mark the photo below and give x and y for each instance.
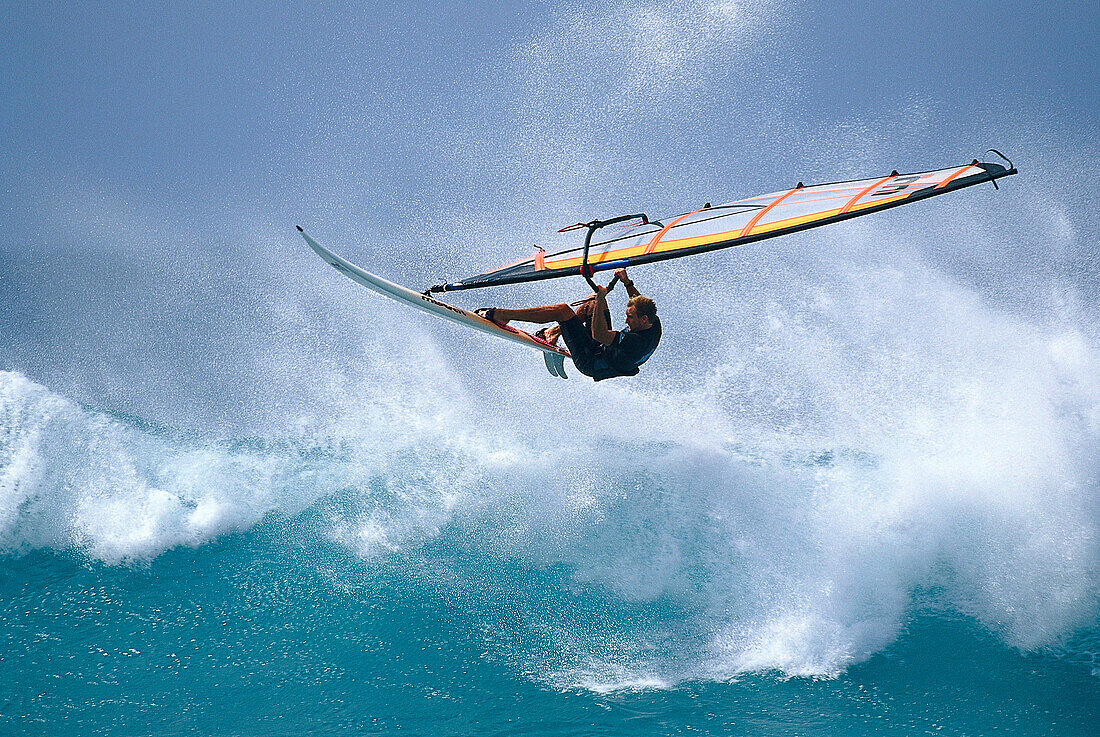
(755, 227)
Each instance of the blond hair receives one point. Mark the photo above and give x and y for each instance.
(644, 307)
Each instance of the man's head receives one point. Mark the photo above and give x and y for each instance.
(641, 312)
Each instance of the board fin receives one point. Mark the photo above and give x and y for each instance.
(555, 364)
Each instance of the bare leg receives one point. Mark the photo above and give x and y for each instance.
(584, 309)
(544, 314)
(552, 334)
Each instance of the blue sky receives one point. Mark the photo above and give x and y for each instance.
(157, 157)
(191, 106)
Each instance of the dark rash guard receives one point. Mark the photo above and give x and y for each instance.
(622, 358)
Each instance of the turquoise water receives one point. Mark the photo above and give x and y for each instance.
(377, 579)
(276, 632)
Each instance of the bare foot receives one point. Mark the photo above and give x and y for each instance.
(550, 334)
(489, 313)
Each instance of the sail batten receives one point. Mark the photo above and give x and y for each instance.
(738, 223)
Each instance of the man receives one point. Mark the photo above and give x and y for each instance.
(598, 351)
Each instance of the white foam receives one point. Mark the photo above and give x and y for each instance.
(894, 433)
(71, 477)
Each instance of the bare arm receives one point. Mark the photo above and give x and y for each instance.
(630, 288)
(601, 333)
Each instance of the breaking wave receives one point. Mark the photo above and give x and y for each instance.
(785, 511)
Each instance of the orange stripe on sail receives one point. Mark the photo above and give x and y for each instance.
(702, 240)
(517, 262)
(947, 181)
(752, 223)
(854, 200)
(661, 234)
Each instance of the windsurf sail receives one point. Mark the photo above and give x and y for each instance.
(732, 224)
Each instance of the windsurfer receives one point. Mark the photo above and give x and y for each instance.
(598, 351)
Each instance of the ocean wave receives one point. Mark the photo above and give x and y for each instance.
(700, 540)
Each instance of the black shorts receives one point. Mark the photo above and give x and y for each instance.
(582, 346)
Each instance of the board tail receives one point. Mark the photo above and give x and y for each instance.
(554, 355)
